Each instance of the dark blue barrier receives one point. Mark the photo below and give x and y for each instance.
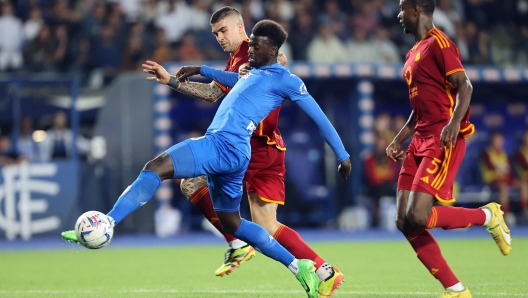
(38, 198)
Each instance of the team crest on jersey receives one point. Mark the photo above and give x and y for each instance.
(407, 75)
(303, 89)
(417, 58)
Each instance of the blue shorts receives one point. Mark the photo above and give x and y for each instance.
(223, 164)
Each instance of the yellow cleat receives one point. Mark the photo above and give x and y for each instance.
(453, 294)
(498, 229)
(329, 285)
(233, 259)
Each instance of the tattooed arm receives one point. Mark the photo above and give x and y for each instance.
(208, 92)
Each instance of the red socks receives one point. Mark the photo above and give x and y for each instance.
(428, 252)
(293, 242)
(202, 200)
(447, 217)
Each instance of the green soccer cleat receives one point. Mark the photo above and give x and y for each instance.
(307, 277)
(70, 236)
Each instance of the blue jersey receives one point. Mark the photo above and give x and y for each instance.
(254, 96)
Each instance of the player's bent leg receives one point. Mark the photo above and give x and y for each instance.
(259, 238)
(497, 227)
(197, 193)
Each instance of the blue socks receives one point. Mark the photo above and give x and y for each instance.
(136, 195)
(261, 240)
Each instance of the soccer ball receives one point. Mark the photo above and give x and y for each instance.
(94, 230)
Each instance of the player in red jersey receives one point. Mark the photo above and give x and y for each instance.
(440, 92)
(265, 174)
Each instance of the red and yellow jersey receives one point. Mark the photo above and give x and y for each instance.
(267, 129)
(521, 163)
(433, 97)
(495, 166)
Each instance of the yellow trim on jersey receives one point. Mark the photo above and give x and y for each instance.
(442, 41)
(268, 141)
(451, 100)
(271, 201)
(453, 71)
(444, 200)
(469, 134)
(442, 175)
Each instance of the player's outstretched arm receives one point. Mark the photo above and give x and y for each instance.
(394, 151)
(450, 132)
(226, 78)
(208, 92)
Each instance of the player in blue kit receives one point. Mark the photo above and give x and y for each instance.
(224, 152)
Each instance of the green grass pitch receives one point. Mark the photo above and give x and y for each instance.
(372, 269)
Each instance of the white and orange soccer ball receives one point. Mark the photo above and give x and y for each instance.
(94, 230)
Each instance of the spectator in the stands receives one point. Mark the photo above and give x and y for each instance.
(381, 174)
(326, 47)
(496, 168)
(521, 168)
(59, 140)
(25, 145)
(11, 39)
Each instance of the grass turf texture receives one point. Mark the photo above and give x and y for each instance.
(373, 269)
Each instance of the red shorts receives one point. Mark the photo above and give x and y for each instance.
(432, 170)
(265, 173)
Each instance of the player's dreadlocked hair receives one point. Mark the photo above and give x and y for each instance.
(428, 6)
(223, 13)
(272, 30)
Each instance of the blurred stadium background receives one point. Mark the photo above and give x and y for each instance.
(78, 121)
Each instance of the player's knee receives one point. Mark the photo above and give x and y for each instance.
(417, 219)
(230, 226)
(230, 221)
(161, 165)
(400, 223)
(189, 186)
(270, 224)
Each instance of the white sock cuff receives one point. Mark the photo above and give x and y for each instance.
(487, 212)
(294, 267)
(236, 244)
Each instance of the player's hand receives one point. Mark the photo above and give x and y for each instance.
(187, 71)
(449, 135)
(244, 69)
(159, 73)
(282, 59)
(344, 168)
(394, 151)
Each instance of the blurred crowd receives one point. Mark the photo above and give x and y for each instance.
(39, 145)
(504, 173)
(98, 39)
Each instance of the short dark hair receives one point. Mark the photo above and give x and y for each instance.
(428, 6)
(272, 30)
(223, 13)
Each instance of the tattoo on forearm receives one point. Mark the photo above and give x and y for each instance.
(189, 186)
(208, 92)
